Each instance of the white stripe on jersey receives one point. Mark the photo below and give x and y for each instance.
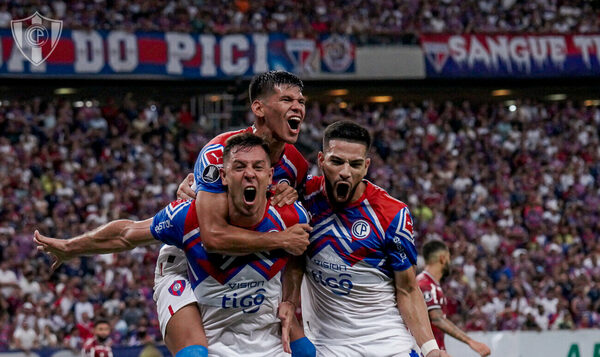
(375, 218)
(337, 229)
(190, 234)
(227, 262)
(285, 159)
(172, 211)
(301, 208)
(276, 214)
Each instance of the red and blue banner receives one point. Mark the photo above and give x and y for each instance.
(511, 55)
(122, 54)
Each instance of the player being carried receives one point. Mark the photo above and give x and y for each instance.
(437, 265)
(279, 107)
(360, 295)
(238, 295)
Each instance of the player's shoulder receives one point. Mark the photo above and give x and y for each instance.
(221, 139)
(294, 155)
(89, 343)
(291, 214)
(381, 199)
(313, 185)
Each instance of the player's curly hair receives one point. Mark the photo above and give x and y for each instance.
(264, 83)
(347, 130)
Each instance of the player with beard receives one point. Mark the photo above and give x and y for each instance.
(99, 345)
(360, 296)
(437, 266)
(237, 295)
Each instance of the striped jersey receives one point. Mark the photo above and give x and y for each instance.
(291, 167)
(349, 291)
(238, 295)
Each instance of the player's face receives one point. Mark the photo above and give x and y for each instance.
(283, 112)
(102, 331)
(344, 165)
(247, 174)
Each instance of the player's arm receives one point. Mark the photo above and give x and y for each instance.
(291, 280)
(439, 320)
(113, 237)
(413, 309)
(218, 236)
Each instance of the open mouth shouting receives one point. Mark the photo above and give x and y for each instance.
(294, 123)
(342, 191)
(249, 195)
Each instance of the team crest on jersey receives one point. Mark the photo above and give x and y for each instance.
(427, 296)
(210, 174)
(177, 287)
(361, 229)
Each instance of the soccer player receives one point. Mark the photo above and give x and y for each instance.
(238, 295)
(99, 345)
(360, 296)
(437, 265)
(279, 107)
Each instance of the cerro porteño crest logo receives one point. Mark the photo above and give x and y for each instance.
(36, 36)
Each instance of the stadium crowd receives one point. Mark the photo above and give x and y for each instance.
(516, 195)
(370, 21)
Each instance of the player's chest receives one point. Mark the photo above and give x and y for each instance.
(353, 228)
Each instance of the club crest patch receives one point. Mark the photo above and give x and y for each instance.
(177, 288)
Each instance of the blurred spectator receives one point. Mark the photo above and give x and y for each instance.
(25, 337)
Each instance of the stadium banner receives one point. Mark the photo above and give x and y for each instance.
(134, 351)
(119, 54)
(511, 55)
(562, 343)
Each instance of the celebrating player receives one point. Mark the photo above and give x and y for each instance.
(279, 106)
(437, 265)
(360, 292)
(238, 295)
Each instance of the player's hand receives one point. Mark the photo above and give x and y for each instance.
(438, 353)
(285, 312)
(184, 191)
(284, 195)
(294, 239)
(56, 248)
(480, 348)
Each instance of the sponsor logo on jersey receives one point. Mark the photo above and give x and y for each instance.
(329, 265)
(246, 284)
(361, 229)
(210, 174)
(339, 285)
(214, 155)
(177, 287)
(250, 303)
(163, 225)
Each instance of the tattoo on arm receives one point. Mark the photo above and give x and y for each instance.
(440, 321)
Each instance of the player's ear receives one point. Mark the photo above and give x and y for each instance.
(271, 173)
(367, 163)
(257, 108)
(223, 176)
(320, 159)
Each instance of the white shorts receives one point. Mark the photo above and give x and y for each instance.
(372, 349)
(171, 293)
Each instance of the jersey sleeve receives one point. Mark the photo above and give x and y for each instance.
(206, 170)
(399, 241)
(168, 224)
(431, 294)
(293, 214)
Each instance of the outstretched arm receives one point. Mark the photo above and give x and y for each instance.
(414, 311)
(113, 237)
(440, 321)
(218, 236)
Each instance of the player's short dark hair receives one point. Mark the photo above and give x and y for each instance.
(245, 141)
(347, 130)
(101, 321)
(265, 83)
(432, 247)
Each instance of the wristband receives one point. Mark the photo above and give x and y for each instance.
(428, 347)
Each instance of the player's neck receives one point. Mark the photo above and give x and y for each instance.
(435, 272)
(275, 146)
(242, 219)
